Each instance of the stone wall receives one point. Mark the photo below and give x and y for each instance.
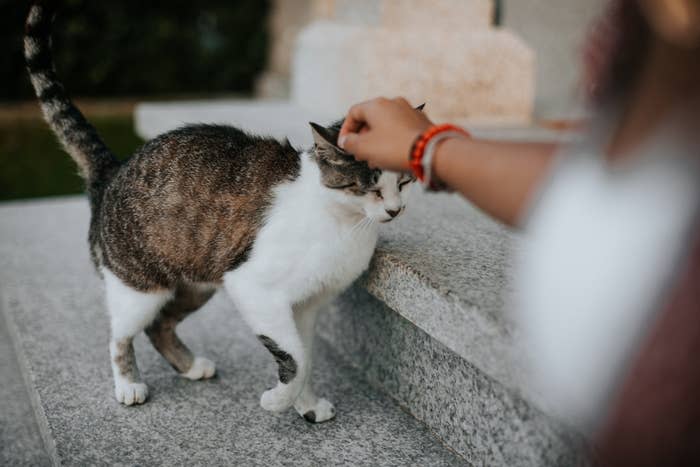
(442, 52)
(556, 30)
(286, 20)
(454, 29)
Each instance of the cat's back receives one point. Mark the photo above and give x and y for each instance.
(212, 157)
(189, 203)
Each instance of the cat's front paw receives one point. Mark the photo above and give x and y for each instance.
(277, 399)
(130, 393)
(321, 411)
(202, 368)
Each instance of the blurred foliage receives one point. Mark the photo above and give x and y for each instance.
(33, 164)
(135, 47)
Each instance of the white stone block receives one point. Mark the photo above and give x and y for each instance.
(413, 14)
(430, 15)
(485, 75)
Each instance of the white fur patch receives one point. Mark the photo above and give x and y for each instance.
(40, 81)
(130, 310)
(305, 246)
(130, 393)
(202, 368)
(34, 15)
(314, 243)
(31, 47)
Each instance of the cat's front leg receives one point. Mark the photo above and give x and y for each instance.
(270, 318)
(314, 409)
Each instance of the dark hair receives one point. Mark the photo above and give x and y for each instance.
(615, 51)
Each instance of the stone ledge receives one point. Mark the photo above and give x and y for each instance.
(475, 415)
(283, 119)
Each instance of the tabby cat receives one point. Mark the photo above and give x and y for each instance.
(210, 206)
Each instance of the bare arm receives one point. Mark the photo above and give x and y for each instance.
(498, 177)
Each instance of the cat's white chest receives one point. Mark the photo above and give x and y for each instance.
(305, 248)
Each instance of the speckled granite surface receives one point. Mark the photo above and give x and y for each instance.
(446, 267)
(54, 302)
(478, 417)
(20, 439)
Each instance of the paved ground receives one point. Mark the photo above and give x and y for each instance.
(20, 441)
(50, 292)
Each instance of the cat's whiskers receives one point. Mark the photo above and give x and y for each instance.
(360, 226)
(357, 225)
(364, 225)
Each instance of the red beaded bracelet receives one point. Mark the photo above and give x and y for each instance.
(420, 157)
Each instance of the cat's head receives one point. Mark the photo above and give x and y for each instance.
(380, 195)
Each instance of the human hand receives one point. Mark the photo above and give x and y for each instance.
(381, 132)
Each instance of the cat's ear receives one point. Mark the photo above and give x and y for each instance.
(420, 107)
(326, 145)
(324, 137)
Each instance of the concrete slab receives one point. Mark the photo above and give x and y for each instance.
(477, 416)
(20, 439)
(54, 301)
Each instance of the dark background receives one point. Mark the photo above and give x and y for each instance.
(143, 48)
(111, 55)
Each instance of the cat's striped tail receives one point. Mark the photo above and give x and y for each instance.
(79, 138)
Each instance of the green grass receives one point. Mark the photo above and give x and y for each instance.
(32, 163)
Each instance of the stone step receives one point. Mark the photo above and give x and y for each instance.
(20, 438)
(284, 119)
(53, 302)
(428, 323)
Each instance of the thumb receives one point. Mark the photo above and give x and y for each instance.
(349, 142)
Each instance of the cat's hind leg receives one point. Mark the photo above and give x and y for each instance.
(161, 332)
(130, 311)
(270, 317)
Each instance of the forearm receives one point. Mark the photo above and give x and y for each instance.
(498, 177)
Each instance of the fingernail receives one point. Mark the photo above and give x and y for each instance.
(341, 141)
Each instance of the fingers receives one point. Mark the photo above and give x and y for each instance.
(351, 142)
(380, 130)
(358, 119)
(355, 120)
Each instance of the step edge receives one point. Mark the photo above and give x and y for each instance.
(40, 417)
(388, 272)
(560, 429)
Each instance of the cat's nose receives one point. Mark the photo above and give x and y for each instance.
(393, 213)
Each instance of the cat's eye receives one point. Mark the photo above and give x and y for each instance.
(378, 193)
(343, 187)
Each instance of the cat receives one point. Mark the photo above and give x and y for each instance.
(205, 207)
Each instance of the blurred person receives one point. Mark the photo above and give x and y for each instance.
(609, 281)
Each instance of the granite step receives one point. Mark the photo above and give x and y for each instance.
(20, 438)
(428, 324)
(52, 300)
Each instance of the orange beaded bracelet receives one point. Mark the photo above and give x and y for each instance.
(420, 157)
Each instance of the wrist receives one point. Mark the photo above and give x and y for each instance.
(442, 158)
(424, 149)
